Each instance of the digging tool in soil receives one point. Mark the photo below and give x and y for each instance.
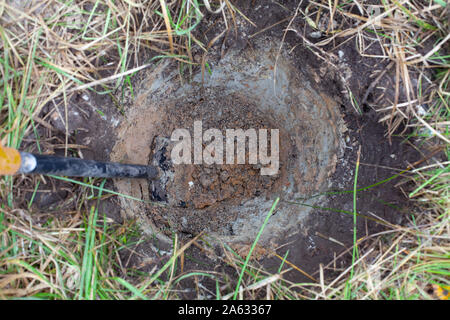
(13, 161)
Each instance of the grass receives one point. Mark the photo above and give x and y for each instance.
(266, 220)
(355, 244)
(49, 53)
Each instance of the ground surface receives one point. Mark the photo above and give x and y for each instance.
(325, 233)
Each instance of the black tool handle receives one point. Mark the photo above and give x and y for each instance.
(75, 167)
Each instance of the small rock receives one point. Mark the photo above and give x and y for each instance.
(315, 34)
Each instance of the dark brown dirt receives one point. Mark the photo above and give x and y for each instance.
(215, 183)
(379, 160)
(200, 195)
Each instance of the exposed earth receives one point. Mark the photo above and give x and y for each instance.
(230, 201)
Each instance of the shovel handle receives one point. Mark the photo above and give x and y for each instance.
(75, 167)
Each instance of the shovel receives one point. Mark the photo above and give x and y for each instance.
(13, 161)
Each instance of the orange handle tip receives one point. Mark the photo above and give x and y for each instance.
(9, 161)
